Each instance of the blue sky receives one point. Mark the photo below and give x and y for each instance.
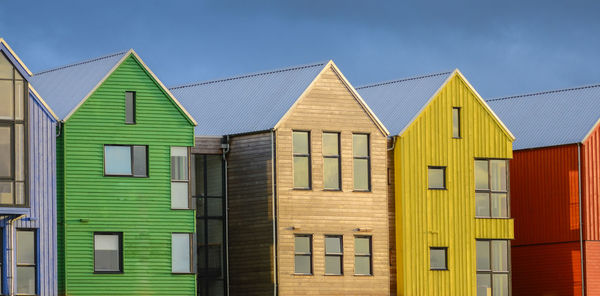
(502, 47)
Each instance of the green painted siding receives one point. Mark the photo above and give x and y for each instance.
(138, 207)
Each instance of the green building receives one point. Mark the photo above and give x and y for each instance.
(125, 218)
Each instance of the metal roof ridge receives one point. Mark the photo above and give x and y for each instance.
(544, 92)
(403, 79)
(82, 62)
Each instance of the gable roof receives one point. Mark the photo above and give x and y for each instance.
(550, 118)
(67, 87)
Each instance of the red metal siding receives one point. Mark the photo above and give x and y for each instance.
(547, 270)
(590, 159)
(544, 195)
(592, 268)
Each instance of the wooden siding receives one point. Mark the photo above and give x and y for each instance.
(590, 175)
(250, 215)
(391, 193)
(330, 106)
(443, 218)
(207, 145)
(592, 268)
(138, 207)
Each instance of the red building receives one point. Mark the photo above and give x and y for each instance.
(555, 184)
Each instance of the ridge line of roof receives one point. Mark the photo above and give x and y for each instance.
(248, 75)
(82, 62)
(403, 79)
(544, 92)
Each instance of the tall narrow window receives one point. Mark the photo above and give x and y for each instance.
(493, 271)
(130, 107)
(180, 198)
(303, 254)
(491, 188)
(301, 150)
(125, 160)
(363, 258)
(331, 161)
(26, 262)
(438, 258)
(456, 122)
(334, 252)
(362, 166)
(181, 252)
(108, 252)
(436, 177)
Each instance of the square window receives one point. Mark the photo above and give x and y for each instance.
(438, 258)
(437, 177)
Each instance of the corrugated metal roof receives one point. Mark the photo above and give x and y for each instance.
(550, 118)
(247, 103)
(65, 87)
(397, 102)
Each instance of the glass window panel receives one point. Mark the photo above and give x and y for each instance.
(499, 205)
(6, 99)
(483, 255)
(117, 160)
(333, 265)
(362, 245)
(6, 192)
(202, 264)
(302, 264)
(437, 258)
(5, 151)
(106, 252)
(360, 145)
(484, 285)
(6, 67)
(129, 107)
(19, 99)
(362, 265)
(300, 142)
(215, 231)
(302, 244)
(455, 122)
(26, 280)
(179, 163)
(333, 245)
(498, 171)
(361, 174)
(499, 255)
(19, 153)
(214, 175)
(482, 204)
(19, 193)
(25, 247)
(330, 144)
(200, 230)
(481, 175)
(436, 178)
(215, 206)
(331, 173)
(180, 252)
(215, 258)
(198, 185)
(140, 167)
(500, 284)
(301, 170)
(179, 195)
(215, 288)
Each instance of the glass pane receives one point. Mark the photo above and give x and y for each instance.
(179, 195)
(500, 284)
(25, 247)
(301, 172)
(129, 107)
(5, 152)
(499, 205)
(19, 99)
(361, 174)
(202, 250)
(302, 244)
(362, 245)
(6, 192)
(117, 160)
(198, 175)
(6, 68)
(215, 206)
(362, 265)
(179, 159)
(483, 255)
(333, 245)
(19, 193)
(436, 178)
(215, 231)
(6, 99)
(360, 145)
(333, 265)
(481, 175)
(106, 252)
(215, 258)
(499, 255)
(26, 280)
(215, 288)
(437, 258)
(302, 264)
(330, 144)
(498, 172)
(180, 252)
(300, 142)
(455, 122)
(214, 175)
(482, 204)
(484, 285)
(140, 167)
(331, 173)
(200, 231)
(200, 204)
(19, 152)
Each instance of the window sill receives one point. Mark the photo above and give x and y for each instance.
(302, 189)
(439, 269)
(495, 218)
(182, 273)
(359, 190)
(173, 209)
(437, 188)
(108, 272)
(457, 138)
(302, 274)
(326, 274)
(130, 176)
(339, 190)
(363, 275)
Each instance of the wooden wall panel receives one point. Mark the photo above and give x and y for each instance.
(392, 216)
(207, 145)
(592, 268)
(590, 160)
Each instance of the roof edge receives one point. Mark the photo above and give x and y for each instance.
(41, 100)
(544, 92)
(82, 62)
(404, 79)
(12, 52)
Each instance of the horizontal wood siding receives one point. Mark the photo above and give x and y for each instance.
(207, 145)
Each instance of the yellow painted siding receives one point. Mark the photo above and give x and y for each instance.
(444, 218)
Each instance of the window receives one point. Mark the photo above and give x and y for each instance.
(26, 262)
(126, 161)
(492, 267)
(360, 150)
(491, 188)
(180, 198)
(108, 252)
(301, 143)
(331, 161)
(436, 177)
(13, 136)
(438, 258)
(130, 107)
(181, 252)
(334, 252)
(456, 122)
(303, 254)
(362, 255)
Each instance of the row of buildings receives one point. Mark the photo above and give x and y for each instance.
(292, 182)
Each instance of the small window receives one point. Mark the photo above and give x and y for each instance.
(362, 166)
(301, 151)
(331, 161)
(456, 122)
(130, 107)
(363, 259)
(493, 270)
(181, 252)
(108, 252)
(126, 161)
(334, 253)
(180, 198)
(26, 262)
(491, 188)
(303, 254)
(437, 177)
(438, 258)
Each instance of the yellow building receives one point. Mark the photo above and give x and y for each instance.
(448, 186)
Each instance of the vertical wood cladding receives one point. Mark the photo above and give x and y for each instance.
(590, 162)
(392, 217)
(592, 268)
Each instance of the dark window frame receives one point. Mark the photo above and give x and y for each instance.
(133, 105)
(191, 250)
(445, 249)
(458, 109)
(339, 161)
(445, 185)
(132, 175)
(340, 255)
(36, 260)
(309, 254)
(490, 271)
(188, 181)
(489, 191)
(308, 156)
(369, 255)
(368, 158)
(120, 235)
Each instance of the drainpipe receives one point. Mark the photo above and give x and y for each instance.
(393, 144)
(225, 147)
(273, 188)
(580, 220)
(12, 257)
